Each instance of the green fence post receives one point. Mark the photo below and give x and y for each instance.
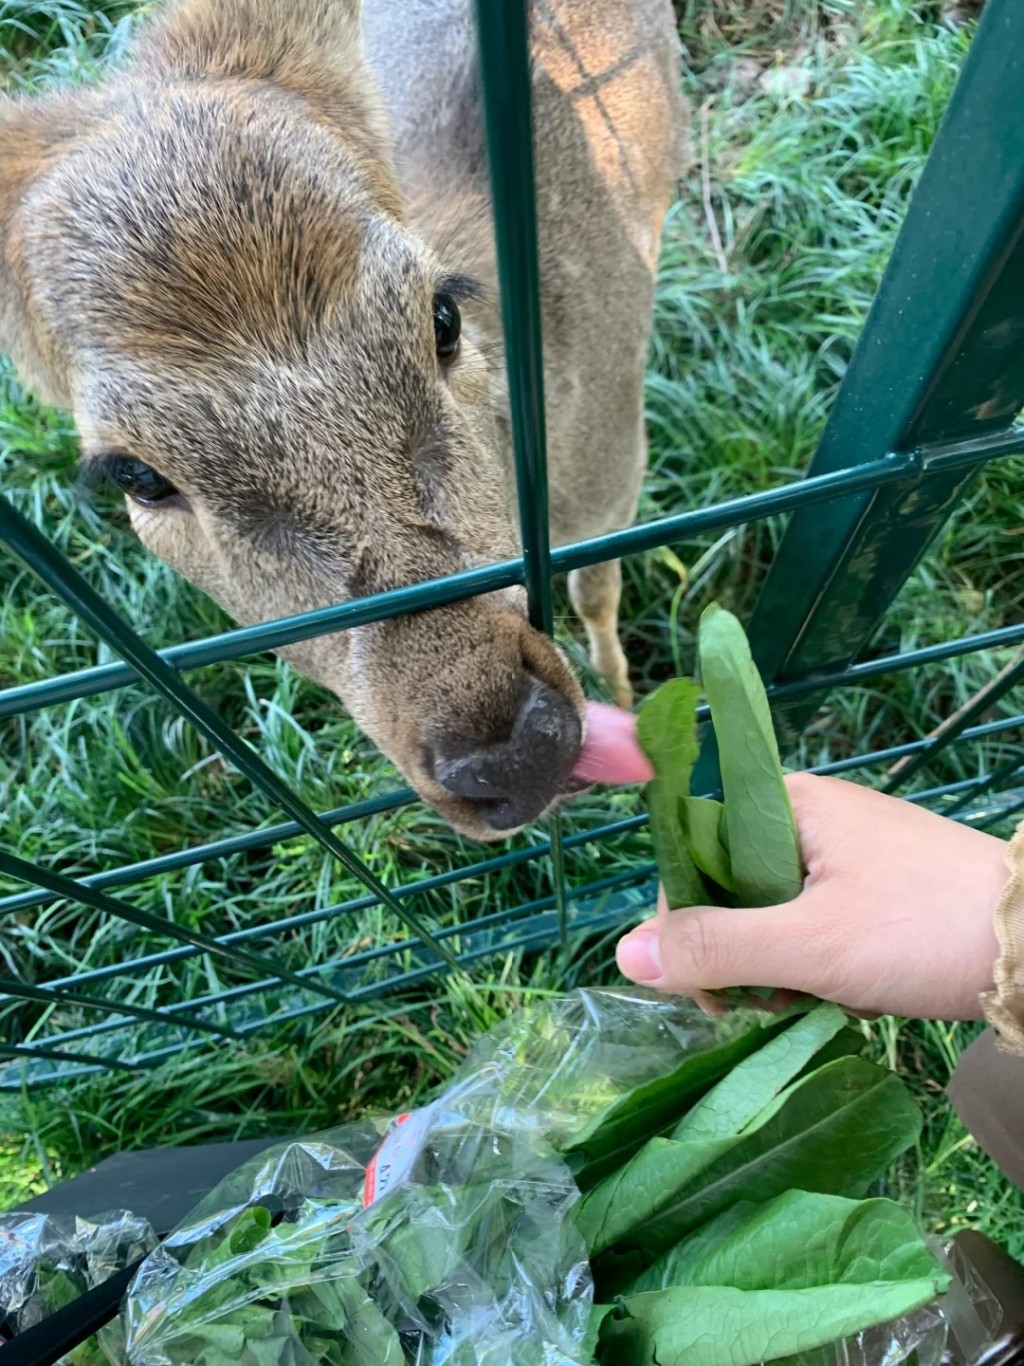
(938, 371)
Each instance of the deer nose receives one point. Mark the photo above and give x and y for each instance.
(514, 780)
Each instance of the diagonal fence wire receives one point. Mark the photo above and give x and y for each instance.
(29, 545)
(70, 890)
(1010, 679)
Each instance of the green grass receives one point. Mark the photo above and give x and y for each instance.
(762, 292)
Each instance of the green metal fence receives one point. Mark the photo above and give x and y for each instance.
(933, 391)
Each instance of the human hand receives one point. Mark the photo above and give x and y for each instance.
(895, 916)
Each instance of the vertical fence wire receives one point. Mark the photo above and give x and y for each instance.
(503, 39)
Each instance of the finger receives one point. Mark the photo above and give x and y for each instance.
(708, 948)
(611, 752)
(711, 1005)
(703, 1000)
(778, 1001)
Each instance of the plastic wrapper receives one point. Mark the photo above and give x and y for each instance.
(447, 1235)
(969, 1308)
(47, 1261)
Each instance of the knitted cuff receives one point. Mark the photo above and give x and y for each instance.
(1004, 1007)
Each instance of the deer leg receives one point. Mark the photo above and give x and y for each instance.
(595, 592)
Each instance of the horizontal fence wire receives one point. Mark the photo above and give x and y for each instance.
(530, 924)
(596, 906)
(250, 640)
(89, 1032)
(599, 835)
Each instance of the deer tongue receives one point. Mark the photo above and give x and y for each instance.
(610, 752)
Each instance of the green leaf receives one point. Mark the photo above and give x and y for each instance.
(742, 1095)
(87, 1353)
(324, 1303)
(422, 1254)
(799, 1240)
(721, 1326)
(57, 1288)
(761, 832)
(223, 1338)
(370, 1339)
(628, 1198)
(667, 731)
(598, 1314)
(283, 1347)
(249, 1229)
(834, 1131)
(615, 1134)
(766, 1281)
(703, 822)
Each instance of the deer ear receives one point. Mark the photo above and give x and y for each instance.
(34, 135)
(290, 42)
(310, 48)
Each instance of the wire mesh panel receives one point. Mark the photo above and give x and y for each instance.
(933, 391)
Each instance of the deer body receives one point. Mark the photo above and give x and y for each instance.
(257, 265)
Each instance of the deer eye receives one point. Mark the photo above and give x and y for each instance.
(140, 482)
(447, 326)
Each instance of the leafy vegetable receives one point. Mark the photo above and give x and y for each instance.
(766, 1281)
(738, 1098)
(617, 1132)
(722, 1326)
(763, 847)
(835, 1131)
(705, 836)
(626, 1201)
(666, 730)
(806, 1239)
(744, 852)
(719, 1215)
(57, 1287)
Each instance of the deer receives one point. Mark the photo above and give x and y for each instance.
(256, 265)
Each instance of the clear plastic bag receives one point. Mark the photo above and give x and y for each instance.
(449, 1238)
(442, 1237)
(447, 1235)
(47, 1261)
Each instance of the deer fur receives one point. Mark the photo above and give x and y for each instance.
(223, 261)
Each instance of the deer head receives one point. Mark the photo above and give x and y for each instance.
(208, 261)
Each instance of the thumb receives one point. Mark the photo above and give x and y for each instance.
(707, 948)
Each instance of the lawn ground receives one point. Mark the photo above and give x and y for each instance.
(812, 122)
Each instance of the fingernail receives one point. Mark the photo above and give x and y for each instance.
(639, 954)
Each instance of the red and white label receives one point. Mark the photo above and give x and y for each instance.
(393, 1160)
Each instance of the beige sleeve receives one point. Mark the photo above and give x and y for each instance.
(1004, 1007)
